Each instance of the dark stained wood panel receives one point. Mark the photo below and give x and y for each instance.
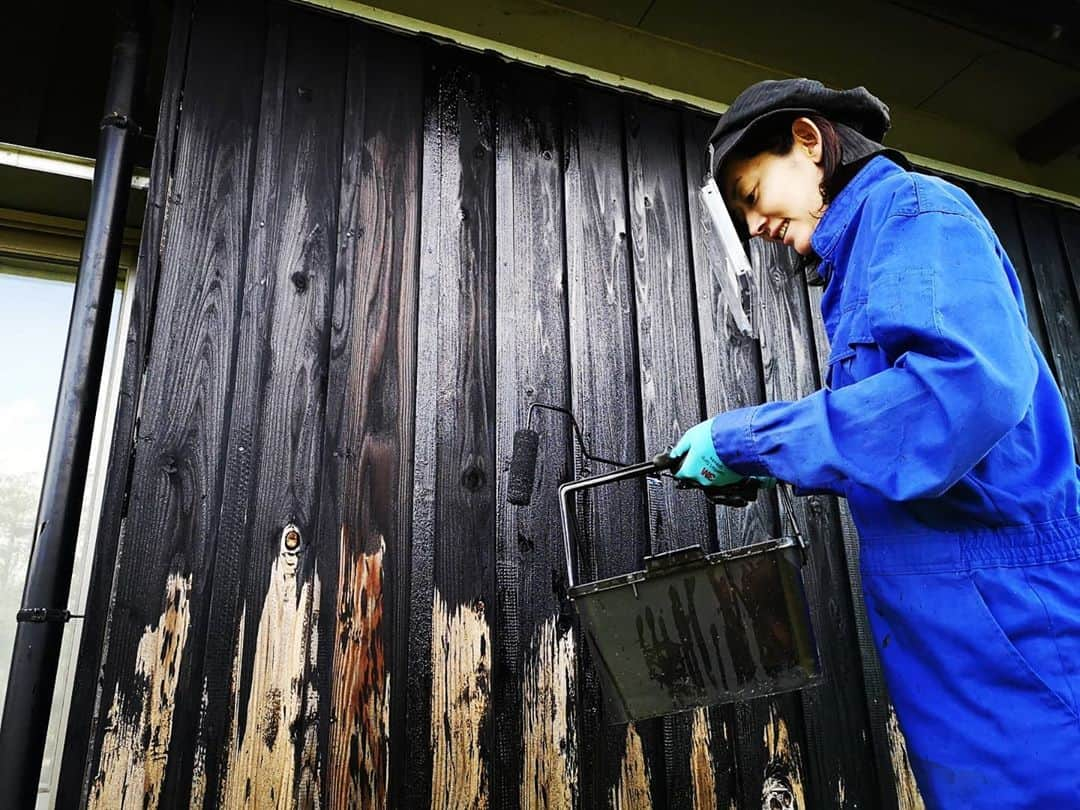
(364, 521)
(837, 734)
(620, 766)
(366, 256)
(1057, 299)
(150, 680)
(453, 538)
(535, 687)
(70, 791)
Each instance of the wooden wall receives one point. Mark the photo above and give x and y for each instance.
(365, 255)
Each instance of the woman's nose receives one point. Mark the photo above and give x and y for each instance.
(754, 223)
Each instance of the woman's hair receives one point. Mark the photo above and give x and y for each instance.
(774, 135)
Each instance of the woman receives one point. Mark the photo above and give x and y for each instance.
(941, 424)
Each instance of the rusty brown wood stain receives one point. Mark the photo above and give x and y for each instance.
(359, 734)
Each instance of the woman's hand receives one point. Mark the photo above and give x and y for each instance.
(700, 463)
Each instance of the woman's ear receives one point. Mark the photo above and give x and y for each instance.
(807, 137)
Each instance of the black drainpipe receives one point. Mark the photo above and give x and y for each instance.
(44, 613)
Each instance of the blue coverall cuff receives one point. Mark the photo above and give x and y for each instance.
(733, 440)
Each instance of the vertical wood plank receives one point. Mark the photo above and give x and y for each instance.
(838, 737)
(176, 487)
(453, 539)
(732, 378)
(999, 208)
(536, 662)
(1057, 297)
(604, 396)
(77, 739)
(365, 515)
(267, 578)
(668, 368)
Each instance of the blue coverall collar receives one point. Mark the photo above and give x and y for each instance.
(837, 217)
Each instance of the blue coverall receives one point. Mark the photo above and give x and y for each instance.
(942, 425)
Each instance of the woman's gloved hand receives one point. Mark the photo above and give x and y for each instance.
(700, 463)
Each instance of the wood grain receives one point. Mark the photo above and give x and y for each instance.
(453, 538)
(70, 788)
(837, 732)
(175, 492)
(535, 655)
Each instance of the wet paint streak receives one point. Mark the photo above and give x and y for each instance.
(550, 769)
(783, 785)
(632, 790)
(460, 697)
(136, 744)
(702, 774)
(263, 755)
(907, 791)
(360, 735)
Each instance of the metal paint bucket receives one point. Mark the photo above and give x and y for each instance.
(694, 629)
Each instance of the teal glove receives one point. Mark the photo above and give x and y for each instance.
(701, 465)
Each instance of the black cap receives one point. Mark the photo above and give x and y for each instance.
(864, 115)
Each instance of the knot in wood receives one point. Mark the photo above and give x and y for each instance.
(473, 477)
(290, 538)
(299, 280)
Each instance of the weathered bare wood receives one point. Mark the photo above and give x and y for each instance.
(77, 740)
(535, 654)
(604, 393)
(453, 536)
(838, 737)
(175, 491)
(365, 514)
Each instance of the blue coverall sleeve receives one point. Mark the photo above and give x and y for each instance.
(942, 309)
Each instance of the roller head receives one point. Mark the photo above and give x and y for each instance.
(523, 467)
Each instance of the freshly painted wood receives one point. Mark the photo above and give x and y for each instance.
(837, 733)
(668, 368)
(175, 492)
(1000, 210)
(454, 527)
(732, 373)
(605, 398)
(365, 511)
(276, 420)
(1058, 300)
(71, 786)
(535, 758)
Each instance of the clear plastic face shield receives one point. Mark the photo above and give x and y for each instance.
(736, 280)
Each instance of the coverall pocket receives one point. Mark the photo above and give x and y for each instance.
(1022, 603)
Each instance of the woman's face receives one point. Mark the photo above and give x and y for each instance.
(779, 196)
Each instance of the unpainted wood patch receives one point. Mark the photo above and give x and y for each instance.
(136, 744)
(702, 769)
(632, 790)
(360, 731)
(907, 791)
(549, 772)
(263, 755)
(783, 785)
(460, 696)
